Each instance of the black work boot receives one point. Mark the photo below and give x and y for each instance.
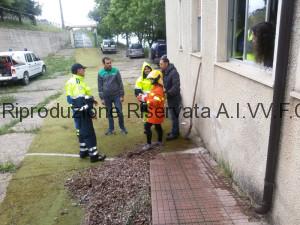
(83, 154)
(97, 158)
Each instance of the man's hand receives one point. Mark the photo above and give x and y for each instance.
(102, 102)
(122, 99)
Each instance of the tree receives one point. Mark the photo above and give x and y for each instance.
(6, 3)
(26, 6)
(144, 18)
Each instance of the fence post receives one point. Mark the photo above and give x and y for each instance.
(20, 17)
(32, 17)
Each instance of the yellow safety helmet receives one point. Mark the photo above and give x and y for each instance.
(157, 76)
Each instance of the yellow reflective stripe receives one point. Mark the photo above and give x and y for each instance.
(157, 98)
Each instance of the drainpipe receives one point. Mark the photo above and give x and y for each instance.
(193, 104)
(285, 29)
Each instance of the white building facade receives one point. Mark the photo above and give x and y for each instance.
(209, 41)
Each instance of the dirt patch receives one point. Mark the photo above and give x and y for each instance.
(116, 192)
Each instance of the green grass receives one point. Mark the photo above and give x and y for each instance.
(6, 129)
(36, 194)
(47, 100)
(26, 25)
(7, 99)
(7, 167)
(57, 66)
(225, 169)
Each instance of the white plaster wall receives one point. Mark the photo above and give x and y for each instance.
(42, 43)
(242, 143)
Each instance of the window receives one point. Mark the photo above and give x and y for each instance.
(136, 46)
(196, 25)
(199, 25)
(34, 57)
(252, 29)
(28, 58)
(180, 22)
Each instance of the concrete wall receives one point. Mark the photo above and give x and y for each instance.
(42, 43)
(242, 143)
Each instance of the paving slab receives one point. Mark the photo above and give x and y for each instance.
(186, 189)
(4, 181)
(6, 120)
(45, 84)
(14, 147)
(29, 124)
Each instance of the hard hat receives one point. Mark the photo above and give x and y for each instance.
(157, 76)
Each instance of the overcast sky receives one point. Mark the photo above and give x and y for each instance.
(75, 11)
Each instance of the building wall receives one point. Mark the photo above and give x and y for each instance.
(42, 43)
(241, 143)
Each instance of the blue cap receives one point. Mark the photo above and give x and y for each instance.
(76, 67)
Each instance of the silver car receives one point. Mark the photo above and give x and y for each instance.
(108, 46)
(135, 51)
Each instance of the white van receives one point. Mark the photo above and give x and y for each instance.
(20, 66)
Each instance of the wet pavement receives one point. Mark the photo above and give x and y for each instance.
(186, 189)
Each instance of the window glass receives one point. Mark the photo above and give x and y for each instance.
(239, 10)
(28, 58)
(199, 28)
(256, 15)
(34, 57)
(162, 48)
(136, 46)
(252, 30)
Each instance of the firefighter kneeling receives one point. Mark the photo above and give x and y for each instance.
(82, 102)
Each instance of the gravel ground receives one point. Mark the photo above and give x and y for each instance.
(116, 192)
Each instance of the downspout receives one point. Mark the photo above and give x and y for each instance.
(285, 30)
(193, 104)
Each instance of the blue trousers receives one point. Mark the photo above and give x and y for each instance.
(174, 112)
(109, 101)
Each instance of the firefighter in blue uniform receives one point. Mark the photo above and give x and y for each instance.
(82, 103)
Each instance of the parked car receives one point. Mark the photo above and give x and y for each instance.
(20, 66)
(108, 46)
(135, 50)
(158, 49)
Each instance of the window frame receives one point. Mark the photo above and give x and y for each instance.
(231, 31)
(248, 70)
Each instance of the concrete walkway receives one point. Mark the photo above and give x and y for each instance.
(186, 189)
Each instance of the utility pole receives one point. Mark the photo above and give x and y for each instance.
(62, 15)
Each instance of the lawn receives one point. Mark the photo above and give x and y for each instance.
(27, 25)
(36, 195)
